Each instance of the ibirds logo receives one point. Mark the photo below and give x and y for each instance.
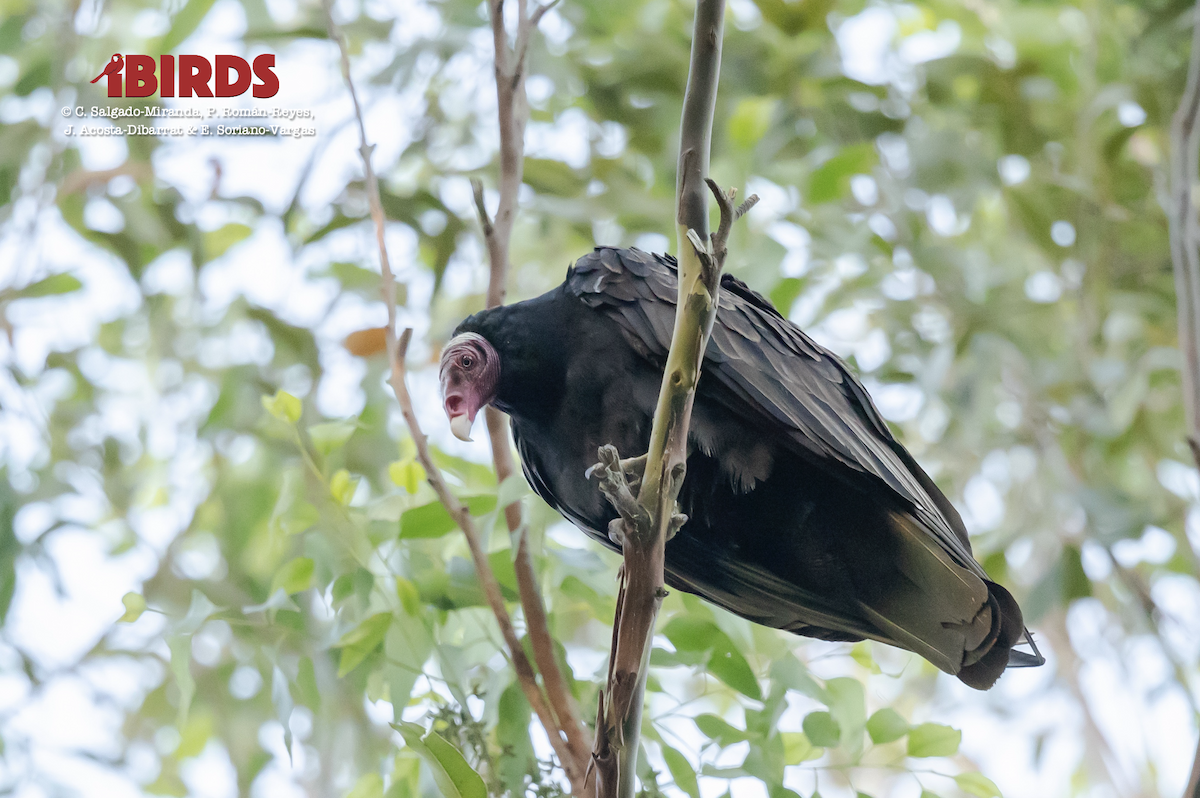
(197, 76)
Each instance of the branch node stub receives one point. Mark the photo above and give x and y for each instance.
(750, 202)
(676, 523)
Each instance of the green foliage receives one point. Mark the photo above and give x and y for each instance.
(977, 784)
(822, 729)
(135, 605)
(681, 771)
(886, 726)
(916, 225)
(933, 739)
(283, 406)
(362, 640)
(454, 776)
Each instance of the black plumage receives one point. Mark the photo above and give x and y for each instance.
(805, 513)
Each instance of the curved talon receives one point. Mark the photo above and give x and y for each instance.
(616, 531)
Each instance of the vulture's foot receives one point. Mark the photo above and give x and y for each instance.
(617, 486)
(632, 467)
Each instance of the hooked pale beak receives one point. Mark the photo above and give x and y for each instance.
(461, 415)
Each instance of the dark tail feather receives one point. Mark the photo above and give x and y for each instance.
(1023, 659)
(984, 672)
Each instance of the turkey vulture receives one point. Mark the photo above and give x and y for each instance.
(804, 512)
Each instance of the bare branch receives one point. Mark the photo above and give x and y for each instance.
(480, 208)
(513, 114)
(540, 12)
(1185, 257)
(397, 350)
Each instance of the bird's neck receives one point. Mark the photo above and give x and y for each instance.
(532, 341)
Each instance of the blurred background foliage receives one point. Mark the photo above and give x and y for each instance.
(962, 199)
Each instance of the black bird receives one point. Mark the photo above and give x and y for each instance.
(804, 512)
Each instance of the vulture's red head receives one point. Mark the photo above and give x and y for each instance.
(470, 374)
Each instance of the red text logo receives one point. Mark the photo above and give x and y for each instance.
(197, 76)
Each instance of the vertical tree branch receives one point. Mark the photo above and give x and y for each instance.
(646, 523)
(513, 114)
(1185, 255)
(396, 350)
(1185, 258)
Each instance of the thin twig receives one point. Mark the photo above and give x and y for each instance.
(537, 15)
(480, 208)
(397, 349)
(513, 114)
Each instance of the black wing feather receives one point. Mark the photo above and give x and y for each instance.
(821, 407)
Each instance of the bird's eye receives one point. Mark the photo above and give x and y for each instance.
(467, 361)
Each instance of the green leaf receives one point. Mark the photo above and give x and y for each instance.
(306, 684)
(361, 641)
(181, 668)
(432, 521)
(369, 785)
(886, 726)
(53, 285)
(785, 292)
(182, 26)
(848, 704)
(750, 120)
(283, 406)
(198, 612)
(10, 548)
(681, 771)
(407, 474)
(342, 487)
(791, 673)
(775, 791)
(831, 180)
(687, 633)
(135, 605)
(410, 597)
(294, 577)
(279, 600)
(406, 775)
(217, 242)
(281, 699)
(512, 733)
(797, 748)
(512, 490)
(822, 730)
(330, 436)
(933, 739)
(548, 176)
(355, 278)
(299, 517)
(928, 794)
(453, 775)
(728, 665)
(194, 735)
(861, 653)
(720, 732)
(977, 784)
